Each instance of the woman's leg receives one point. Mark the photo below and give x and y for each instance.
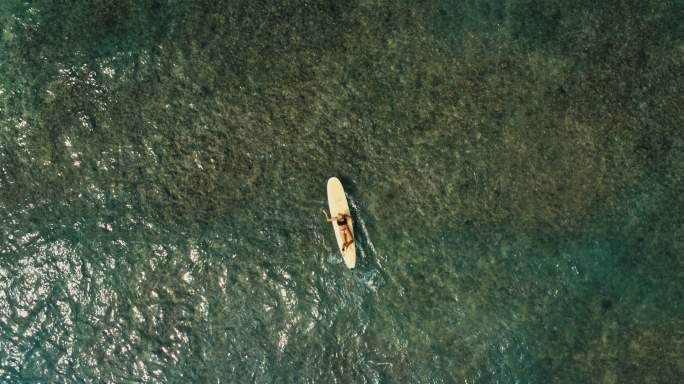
(347, 240)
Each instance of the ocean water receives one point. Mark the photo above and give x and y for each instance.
(515, 170)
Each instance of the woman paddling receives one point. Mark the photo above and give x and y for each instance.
(341, 220)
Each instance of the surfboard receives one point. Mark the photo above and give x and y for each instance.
(337, 202)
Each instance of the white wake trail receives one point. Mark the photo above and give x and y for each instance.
(362, 225)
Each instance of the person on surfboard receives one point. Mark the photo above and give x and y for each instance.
(341, 220)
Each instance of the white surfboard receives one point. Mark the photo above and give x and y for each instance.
(337, 202)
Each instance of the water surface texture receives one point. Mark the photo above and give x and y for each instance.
(515, 170)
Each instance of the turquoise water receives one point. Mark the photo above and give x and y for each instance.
(514, 170)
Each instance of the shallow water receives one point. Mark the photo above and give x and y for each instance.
(514, 170)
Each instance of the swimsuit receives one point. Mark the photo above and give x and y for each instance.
(343, 226)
